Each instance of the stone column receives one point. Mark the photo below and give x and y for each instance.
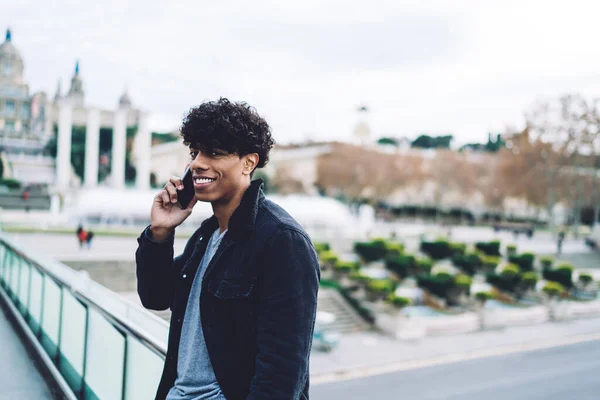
(63, 153)
(143, 148)
(92, 148)
(118, 148)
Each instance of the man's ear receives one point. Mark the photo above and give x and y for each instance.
(250, 163)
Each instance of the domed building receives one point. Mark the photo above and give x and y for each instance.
(37, 135)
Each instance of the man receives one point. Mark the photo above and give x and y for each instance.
(243, 294)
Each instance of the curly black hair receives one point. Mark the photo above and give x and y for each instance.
(234, 127)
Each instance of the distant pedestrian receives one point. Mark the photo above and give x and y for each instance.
(81, 236)
(559, 242)
(26, 200)
(88, 239)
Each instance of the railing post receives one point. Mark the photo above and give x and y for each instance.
(85, 350)
(123, 391)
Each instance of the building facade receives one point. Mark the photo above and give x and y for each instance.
(29, 122)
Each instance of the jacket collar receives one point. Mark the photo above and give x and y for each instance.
(243, 219)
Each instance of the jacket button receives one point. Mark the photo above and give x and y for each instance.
(184, 276)
(179, 320)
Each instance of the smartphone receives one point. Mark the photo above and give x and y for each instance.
(187, 194)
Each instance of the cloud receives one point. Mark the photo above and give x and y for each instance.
(465, 67)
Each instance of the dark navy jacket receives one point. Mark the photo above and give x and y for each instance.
(258, 300)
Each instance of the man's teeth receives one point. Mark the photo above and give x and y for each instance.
(204, 180)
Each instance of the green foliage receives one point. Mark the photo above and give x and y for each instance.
(463, 281)
(439, 285)
(158, 137)
(511, 249)
(508, 280)
(524, 261)
(553, 289)
(321, 247)
(329, 284)
(483, 296)
(469, 262)
(458, 248)
(345, 266)
(432, 142)
(10, 183)
(529, 279)
(358, 276)
(489, 248)
(565, 267)
(490, 262)
(437, 250)
(563, 275)
(328, 257)
(425, 265)
(585, 278)
(510, 270)
(385, 286)
(388, 141)
(547, 262)
(371, 251)
(398, 301)
(402, 264)
(443, 275)
(394, 249)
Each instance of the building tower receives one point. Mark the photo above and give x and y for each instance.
(76, 94)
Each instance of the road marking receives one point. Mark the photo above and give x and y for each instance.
(345, 375)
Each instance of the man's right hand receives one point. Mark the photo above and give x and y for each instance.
(166, 214)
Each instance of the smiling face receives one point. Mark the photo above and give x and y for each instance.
(218, 176)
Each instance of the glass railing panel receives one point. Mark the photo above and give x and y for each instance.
(105, 361)
(50, 316)
(14, 264)
(24, 286)
(72, 340)
(35, 300)
(144, 368)
(3, 253)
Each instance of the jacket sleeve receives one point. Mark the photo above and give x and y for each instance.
(156, 270)
(287, 289)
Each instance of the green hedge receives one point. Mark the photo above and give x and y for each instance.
(328, 257)
(511, 250)
(437, 250)
(529, 279)
(505, 282)
(564, 276)
(547, 262)
(398, 301)
(321, 247)
(385, 286)
(469, 263)
(524, 261)
(346, 266)
(553, 289)
(10, 183)
(490, 248)
(483, 296)
(439, 285)
(424, 265)
(585, 278)
(402, 264)
(371, 251)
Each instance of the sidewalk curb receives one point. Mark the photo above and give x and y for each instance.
(411, 364)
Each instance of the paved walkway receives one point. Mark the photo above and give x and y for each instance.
(371, 350)
(20, 378)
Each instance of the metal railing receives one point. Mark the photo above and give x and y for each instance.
(103, 346)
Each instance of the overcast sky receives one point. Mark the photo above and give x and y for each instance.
(461, 67)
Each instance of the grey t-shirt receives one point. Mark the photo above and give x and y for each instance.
(195, 376)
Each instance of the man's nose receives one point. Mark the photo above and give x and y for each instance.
(200, 162)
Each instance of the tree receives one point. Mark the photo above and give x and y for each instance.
(432, 142)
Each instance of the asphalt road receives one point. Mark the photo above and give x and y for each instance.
(567, 372)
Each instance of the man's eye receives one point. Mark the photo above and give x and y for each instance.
(214, 153)
(193, 155)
